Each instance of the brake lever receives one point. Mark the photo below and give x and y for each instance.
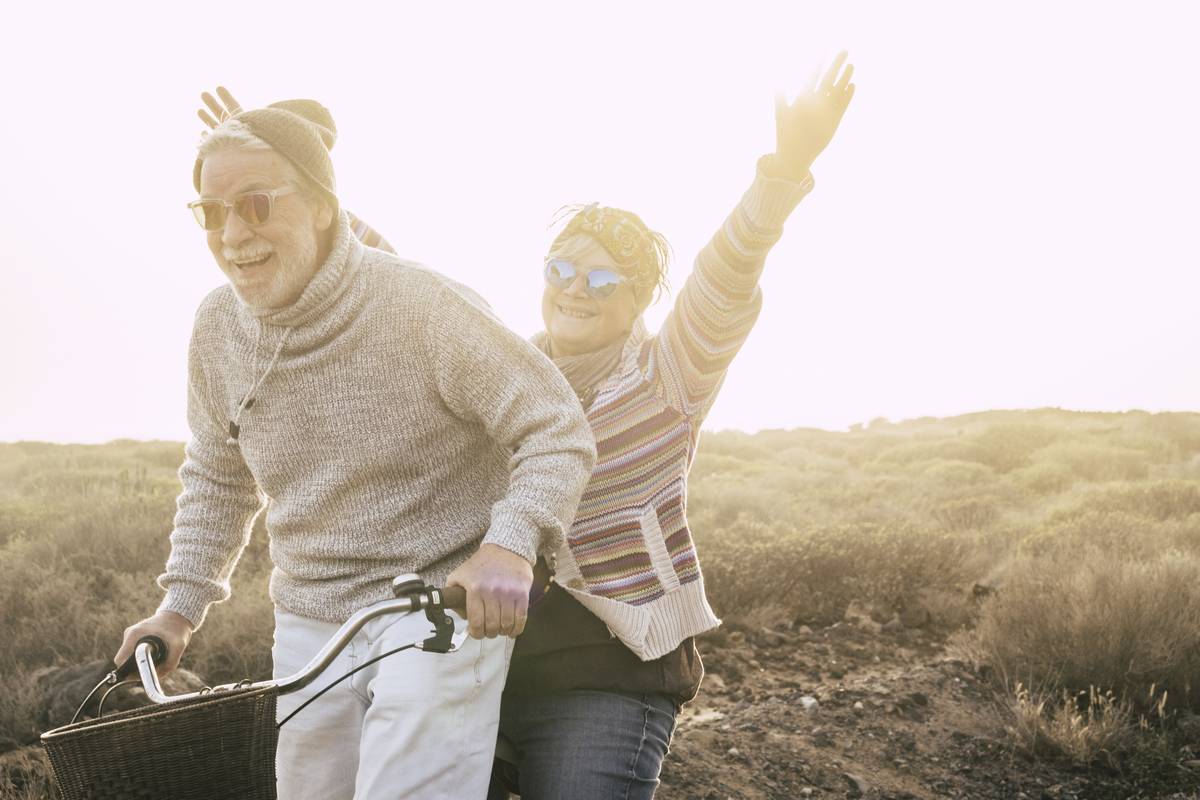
(442, 640)
(456, 641)
(430, 598)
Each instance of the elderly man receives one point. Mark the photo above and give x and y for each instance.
(391, 424)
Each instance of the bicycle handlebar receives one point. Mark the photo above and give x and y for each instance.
(148, 653)
(158, 651)
(455, 597)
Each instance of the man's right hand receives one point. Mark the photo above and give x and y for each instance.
(174, 629)
(497, 583)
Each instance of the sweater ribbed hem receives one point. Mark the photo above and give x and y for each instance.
(769, 201)
(514, 535)
(656, 628)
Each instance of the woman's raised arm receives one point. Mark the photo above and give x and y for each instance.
(720, 301)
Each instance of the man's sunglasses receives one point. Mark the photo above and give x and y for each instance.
(252, 208)
(600, 283)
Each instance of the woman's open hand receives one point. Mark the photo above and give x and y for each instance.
(222, 108)
(805, 126)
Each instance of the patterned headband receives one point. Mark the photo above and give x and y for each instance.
(639, 251)
(622, 234)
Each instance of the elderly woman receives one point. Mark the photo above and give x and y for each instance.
(608, 653)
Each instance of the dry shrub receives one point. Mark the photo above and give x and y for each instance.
(807, 460)
(19, 701)
(915, 451)
(18, 518)
(742, 446)
(63, 609)
(1082, 619)
(1087, 728)
(967, 514)
(1008, 447)
(1180, 429)
(1044, 477)
(790, 525)
(1165, 499)
(717, 466)
(817, 572)
(740, 498)
(25, 775)
(1118, 533)
(958, 473)
(81, 543)
(740, 567)
(1097, 460)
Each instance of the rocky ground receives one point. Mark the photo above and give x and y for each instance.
(855, 710)
(866, 711)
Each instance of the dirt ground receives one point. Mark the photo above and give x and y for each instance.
(854, 712)
(847, 711)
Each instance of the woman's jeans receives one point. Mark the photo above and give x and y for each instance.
(587, 745)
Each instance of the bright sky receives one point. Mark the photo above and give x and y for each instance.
(1008, 217)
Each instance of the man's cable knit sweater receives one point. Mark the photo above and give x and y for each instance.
(391, 424)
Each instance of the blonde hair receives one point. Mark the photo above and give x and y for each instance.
(645, 261)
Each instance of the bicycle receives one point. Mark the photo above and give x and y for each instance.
(219, 742)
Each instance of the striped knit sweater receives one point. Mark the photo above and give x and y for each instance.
(629, 557)
(368, 235)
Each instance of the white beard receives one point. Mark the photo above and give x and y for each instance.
(293, 270)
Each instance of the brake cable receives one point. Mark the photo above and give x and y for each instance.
(443, 631)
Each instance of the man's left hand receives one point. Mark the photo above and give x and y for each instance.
(497, 583)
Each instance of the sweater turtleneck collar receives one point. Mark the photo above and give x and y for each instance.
(327, 285)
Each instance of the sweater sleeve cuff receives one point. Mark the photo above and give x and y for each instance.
(770, 200)
(188, 601)
(514, 535)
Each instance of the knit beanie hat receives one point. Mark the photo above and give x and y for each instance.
(303, 132)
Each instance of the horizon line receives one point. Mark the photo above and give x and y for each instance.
(856, 427)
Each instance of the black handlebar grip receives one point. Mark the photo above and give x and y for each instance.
(455, 597)
(158, 652)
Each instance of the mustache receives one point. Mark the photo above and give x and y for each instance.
(245, 253)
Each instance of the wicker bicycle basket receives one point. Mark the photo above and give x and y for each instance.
(220, 746)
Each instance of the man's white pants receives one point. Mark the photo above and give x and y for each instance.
(415, 724)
